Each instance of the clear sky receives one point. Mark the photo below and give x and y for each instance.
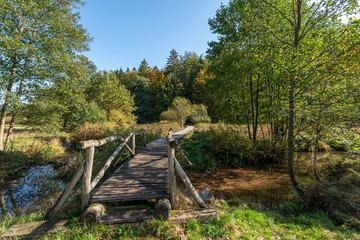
(127, 31)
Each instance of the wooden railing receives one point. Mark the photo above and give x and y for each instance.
(86, 168)
(174, 166)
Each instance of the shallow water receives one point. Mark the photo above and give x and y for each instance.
(267, 184)
(34, 191)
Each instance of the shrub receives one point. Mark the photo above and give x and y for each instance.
(89, 113)
(339, 195)
(183, 109)
(199, 114)
(89, 131)
(169, 115)
(228, 148)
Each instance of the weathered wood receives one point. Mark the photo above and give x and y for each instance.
(93, 213)
(86, 187)
(108, 163)
(162, 209)
(32, 229)
(130, 150)
(97, 143)
(128, 197)
(52, 213)
(133, 144)
(202, 215)
(172, 177)
(189, 185)
(184, 156)
(144, 177)
(123, 216)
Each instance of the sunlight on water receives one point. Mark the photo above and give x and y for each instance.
(33, 191)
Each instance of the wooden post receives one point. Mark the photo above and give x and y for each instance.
(93, 213)
(144, 134)
(133, 143)
(189, 185)
(52, 213)
(171, 166)
(86, 187)
(162, 209)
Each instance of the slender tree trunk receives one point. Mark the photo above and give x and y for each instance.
(18, 94)
(2, 201)
(4, 112)
(291, 137)
(316, 152)
(246, 111)
(7, 101)
(12, 122)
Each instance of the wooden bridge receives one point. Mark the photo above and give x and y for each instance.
(149, 175)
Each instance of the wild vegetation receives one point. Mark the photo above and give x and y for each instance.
(282, 77)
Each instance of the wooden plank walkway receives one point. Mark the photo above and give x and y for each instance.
(143, 177)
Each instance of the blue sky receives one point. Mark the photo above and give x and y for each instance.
(127, 31)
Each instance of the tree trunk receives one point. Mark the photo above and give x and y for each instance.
(2, 202)
(12, 122)
(317, 139)
(7, 101)
(291, 142)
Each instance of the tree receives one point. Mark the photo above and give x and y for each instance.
(292, 45)
(37, 39)
(143, 68)
(111, 97)
(144, 99)
(52, 107)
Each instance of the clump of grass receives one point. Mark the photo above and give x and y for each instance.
(339, 194)
(237, 221)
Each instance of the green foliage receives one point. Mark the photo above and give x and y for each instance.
(112, 97)
(89, 131)
(89, 113)
(228, 148)
(182, 110)
(169, 115)
(339, 195)
(199, 114)
(239, 221)
(140, 87)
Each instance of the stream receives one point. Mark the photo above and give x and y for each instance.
(268, 184)
(36, 190)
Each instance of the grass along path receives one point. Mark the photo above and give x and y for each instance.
(239, 221)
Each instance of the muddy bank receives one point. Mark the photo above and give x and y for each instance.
(268, 184)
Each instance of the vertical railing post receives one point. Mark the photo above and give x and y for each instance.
(144, 134)
(86, 184)
(171, 166)
(133, 143)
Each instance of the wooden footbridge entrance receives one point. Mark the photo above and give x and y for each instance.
(149, 175)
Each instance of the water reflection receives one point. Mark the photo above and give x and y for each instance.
(268, 184)
(32, 192)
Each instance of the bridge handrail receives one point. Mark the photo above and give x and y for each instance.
(174, 165)
(86, 168)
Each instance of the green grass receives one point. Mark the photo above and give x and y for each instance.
(239, 221)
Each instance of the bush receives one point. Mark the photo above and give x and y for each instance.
(89, 113)
(228, 148)
(199, 114)
(339, 195)
(90, 131)
(181, 110)
(169, 115)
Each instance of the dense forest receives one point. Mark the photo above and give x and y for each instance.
(282, 76)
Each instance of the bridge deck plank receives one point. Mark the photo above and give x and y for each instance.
(141, 178)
